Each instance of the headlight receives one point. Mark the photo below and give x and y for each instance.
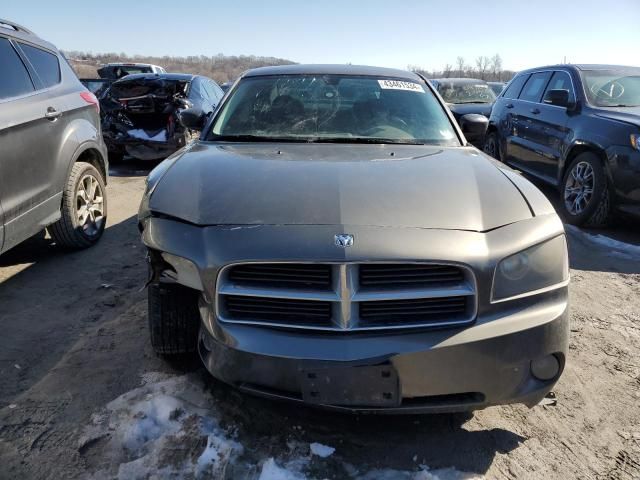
(536, 268)
(635, 140)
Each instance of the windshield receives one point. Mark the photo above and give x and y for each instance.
(139, 87)
(333, 108)
(608, 88)
(466, 92)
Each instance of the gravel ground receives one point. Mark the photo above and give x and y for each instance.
(83, 396)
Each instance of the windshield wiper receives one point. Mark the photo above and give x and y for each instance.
(253, 138)
(366, 140)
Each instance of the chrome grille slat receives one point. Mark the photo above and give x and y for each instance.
(346, 296)
(418, 275)
(303, 311)
(315, 276)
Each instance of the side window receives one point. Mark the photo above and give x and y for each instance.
(45, 64)
(15, 79)
(561, 81)
(534, 87)
(202, 91)
(213, 96)
(513, 90)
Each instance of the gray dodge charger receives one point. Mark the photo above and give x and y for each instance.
(332, 239)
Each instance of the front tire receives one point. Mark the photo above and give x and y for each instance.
(174, 319)
(585, 193)
(84, 208)
(491, 146)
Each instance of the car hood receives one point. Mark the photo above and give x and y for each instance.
(459, 109)
(622, 114)
(328, 184)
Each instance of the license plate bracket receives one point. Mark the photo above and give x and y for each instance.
(366, 386)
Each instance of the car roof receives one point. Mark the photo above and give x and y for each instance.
(129, 64)
(12, 29)
(332, 70)
(458, 80)
(583, 67)
(185, 77)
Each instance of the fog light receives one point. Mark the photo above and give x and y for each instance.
(545, 368)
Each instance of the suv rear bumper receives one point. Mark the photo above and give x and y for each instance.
(438, 371)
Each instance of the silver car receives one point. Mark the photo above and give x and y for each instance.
(53, 161)
(332, 239)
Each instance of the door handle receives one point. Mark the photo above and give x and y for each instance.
(509, 105)
(535, 111)
(52, 113)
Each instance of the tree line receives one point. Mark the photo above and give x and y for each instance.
(222, 68)
(225, 68)
(485, 68)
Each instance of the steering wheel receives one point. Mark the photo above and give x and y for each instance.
(388, 131)
(609, 91)
(398, 121)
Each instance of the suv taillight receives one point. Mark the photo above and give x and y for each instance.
(91, 99)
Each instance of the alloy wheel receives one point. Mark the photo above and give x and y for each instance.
(89, 205)
(578, 188)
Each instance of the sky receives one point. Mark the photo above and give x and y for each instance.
(424, 33)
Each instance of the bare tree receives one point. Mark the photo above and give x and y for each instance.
(496, 67)
(482, 65)
(461, 66)
(446, 72)
(221, 68)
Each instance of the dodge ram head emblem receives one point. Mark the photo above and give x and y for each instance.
(344, 240)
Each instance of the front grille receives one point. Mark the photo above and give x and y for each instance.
(295, 312)
(421, 310)
(346, 296)
(281, 275)
(411, 275)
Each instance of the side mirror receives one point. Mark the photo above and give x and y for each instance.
(474, 125)
(193, 118)
(559, 98)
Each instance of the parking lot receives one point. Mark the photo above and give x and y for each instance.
(83, 395)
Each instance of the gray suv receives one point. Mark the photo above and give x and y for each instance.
(53, 167)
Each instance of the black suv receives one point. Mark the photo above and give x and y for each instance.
(576, 127)
(53, 161)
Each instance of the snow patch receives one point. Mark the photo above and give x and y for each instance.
(321, 450)
(271, 471)
(163, 429)
(169, 428)
(614, 247)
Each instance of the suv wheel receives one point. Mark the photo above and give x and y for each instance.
(84, 208)
(174, 318)
(585, 192)
(491, 146)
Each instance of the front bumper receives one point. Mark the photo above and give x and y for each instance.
(438, 371)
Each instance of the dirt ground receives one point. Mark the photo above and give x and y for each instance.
(74, 338)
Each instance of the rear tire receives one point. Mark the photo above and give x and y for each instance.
(84, 208)
(492, 146)
(585, 193)
(174, 318)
